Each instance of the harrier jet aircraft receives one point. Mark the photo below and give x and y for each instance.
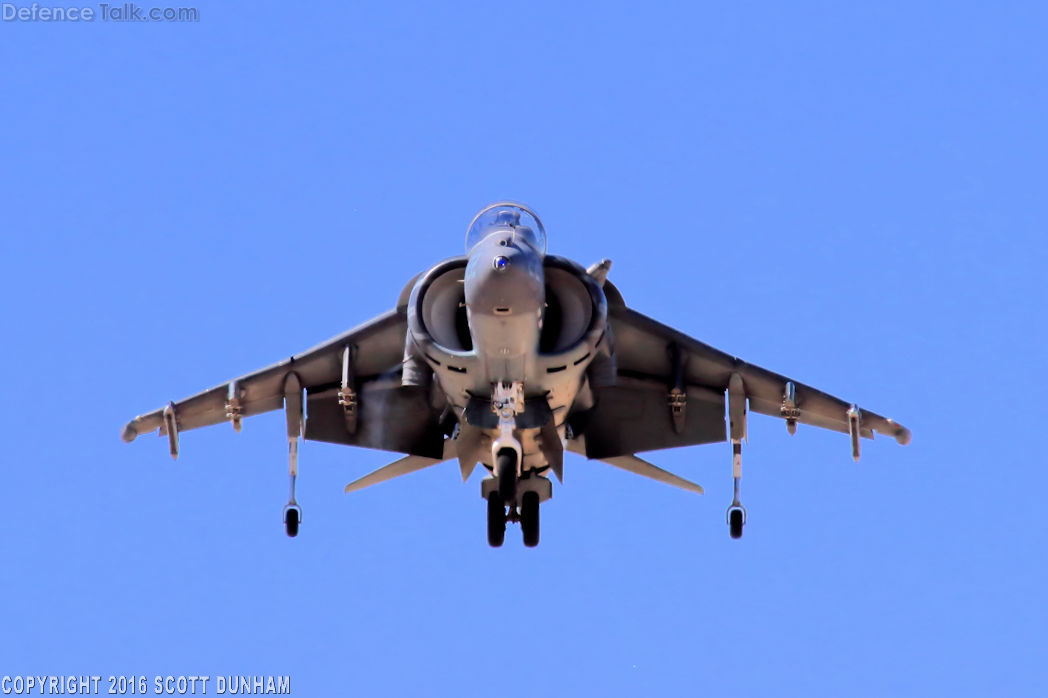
(507, 357)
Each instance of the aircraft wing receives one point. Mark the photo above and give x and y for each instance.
(383, 415)
(651, 359)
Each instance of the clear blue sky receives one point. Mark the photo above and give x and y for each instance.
(849, 193)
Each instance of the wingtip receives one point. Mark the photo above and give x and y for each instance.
(129, 432)
(902, 434)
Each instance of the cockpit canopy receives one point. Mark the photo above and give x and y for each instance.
(506, 217)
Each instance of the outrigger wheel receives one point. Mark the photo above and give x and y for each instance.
(736, 520)
(292, 517)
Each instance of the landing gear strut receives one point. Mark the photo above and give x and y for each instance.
(293, 412)
(736, 512)
(506, 491)
(531, 491)
(737, 419)
(506, 472)
(292, 511)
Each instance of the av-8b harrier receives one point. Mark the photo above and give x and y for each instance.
(506, 357)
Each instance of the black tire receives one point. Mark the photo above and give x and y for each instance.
(735, 523)
(529, 518)
(506, 472)
(496, 520)
(291, 522)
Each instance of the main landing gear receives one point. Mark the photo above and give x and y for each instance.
(527, 515)
(529, 518)
(512, 494)
(505, 491)
(506, 472)
(496, 520)
(526, 494)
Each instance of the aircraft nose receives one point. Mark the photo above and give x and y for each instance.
(505, 267)
(507, 279)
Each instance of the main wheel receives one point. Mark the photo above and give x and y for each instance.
(506, 471)
(291, 522)
(496, 520)
(735, 523)
(529, 518)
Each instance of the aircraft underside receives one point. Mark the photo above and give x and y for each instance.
(507, 357)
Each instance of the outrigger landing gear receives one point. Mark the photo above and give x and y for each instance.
(292, 517)
(293, 411)
(736, 520)
(737, 420)
(292, 511)
(736, 512)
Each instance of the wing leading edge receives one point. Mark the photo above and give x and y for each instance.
(347, 369)
(680, 384)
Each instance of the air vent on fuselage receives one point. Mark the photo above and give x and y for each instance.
(443, 310)
(568, 312)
